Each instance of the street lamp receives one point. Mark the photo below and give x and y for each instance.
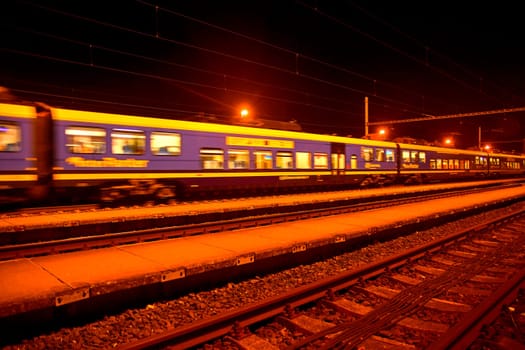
(449, 142)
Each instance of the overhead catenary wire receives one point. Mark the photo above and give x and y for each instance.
(388, 103)
(296, 54)
(158, 36)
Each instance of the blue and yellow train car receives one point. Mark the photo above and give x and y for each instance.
(18, 158)
(423, 164)
(126, 155)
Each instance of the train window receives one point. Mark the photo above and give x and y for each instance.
(481, 160)
(81, 139)
(414, 156)
(439, 164)
(422, 157)
(238, 158)
(456, 163)
(432, 164)
(367, 154)
(406, 156)
(380, 155)
(445, 163)
(389, 153)
(467, 164)
(212, 158)
(165, 143)
(495, 161)
(284, 160)
(263, 159)
(320, 161)
(125, 141)
(303, 160)
(10, 137)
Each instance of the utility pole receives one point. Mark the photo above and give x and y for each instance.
(366, 117)
(479, 138)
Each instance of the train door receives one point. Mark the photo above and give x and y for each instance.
(338, 159)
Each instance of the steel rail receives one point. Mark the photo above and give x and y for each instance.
(15, 251)
(215, 327)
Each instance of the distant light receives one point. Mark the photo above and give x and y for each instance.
(487, 148)
(244, 113)
(382, 131)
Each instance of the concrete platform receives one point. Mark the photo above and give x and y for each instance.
(54, 282)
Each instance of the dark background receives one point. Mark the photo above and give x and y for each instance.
(308, 61)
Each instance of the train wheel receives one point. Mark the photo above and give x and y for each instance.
(165, 195)
(111, 195)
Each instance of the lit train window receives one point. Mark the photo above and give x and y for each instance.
(238, 159)
(467, 164)
(367, 154)
(390, 155)
(456, 163)
(320, 161)
(432, 164)
(85, 140)
(481, 160)
(284, 160)
(165, 143)
(380, 155)
(495, 161)
(414, 156)
(10, 137)
(212, 158)
(422, 157)
(125, 141)
(445, 163)
(406, 156)
(303, 160)
(439, 164)
(263, 159)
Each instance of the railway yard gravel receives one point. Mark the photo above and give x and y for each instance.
(115, 330)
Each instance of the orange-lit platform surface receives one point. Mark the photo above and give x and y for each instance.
(14, 224)
(49, 282)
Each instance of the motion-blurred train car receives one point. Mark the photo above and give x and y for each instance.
(61, 154)
(20, 158)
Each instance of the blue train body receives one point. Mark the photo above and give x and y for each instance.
(55, 154)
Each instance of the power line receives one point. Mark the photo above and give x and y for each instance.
(286, 50)
(450, 116)
(157, 36)
(395, 49)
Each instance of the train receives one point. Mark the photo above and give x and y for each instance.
(50, 154)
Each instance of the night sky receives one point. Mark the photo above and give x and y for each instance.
(309, 61)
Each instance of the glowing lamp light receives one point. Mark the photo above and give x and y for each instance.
(244, 113)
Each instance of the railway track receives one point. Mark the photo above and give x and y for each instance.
(434, 296)
(23, 244)
(27, 211)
